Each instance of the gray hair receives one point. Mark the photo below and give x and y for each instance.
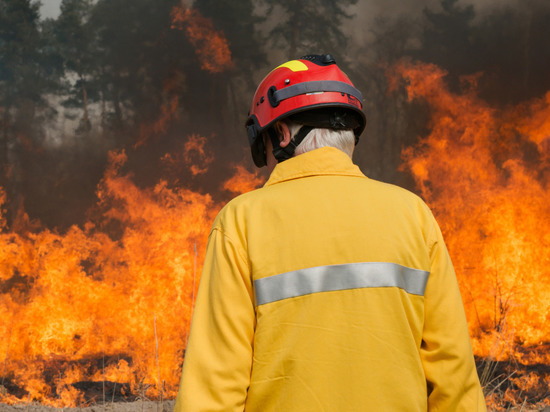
(343, 140)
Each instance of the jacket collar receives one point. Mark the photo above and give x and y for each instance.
(323, 161)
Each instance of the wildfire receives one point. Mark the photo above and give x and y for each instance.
(168, 112)
(110, 303)
(107, 304)
(485, 173)
(212, 51)
(211, 46)
(243, 181)
(194, 147)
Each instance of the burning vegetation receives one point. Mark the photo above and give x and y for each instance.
(211, 46)
(104, 215)
(86, 308)
(485, 173)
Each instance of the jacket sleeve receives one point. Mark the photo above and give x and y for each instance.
(218, 358)
(446, 352)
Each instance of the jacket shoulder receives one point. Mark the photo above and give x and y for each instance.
(399, 192)
(237, 208)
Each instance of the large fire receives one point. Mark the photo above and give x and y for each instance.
(107, 305)
(211, 46)
(486, 174)
(104, 309)
(113, 309)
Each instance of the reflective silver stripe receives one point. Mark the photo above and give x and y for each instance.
(340, 277)
(315, 87)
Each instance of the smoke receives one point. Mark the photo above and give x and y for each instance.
(504, 40)
(503, 44)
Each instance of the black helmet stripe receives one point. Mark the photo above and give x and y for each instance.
(315, 87)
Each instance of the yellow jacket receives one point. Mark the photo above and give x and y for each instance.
(328, 291)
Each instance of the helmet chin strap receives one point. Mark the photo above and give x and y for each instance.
(284, 153)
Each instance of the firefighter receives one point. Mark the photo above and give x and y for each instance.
(324, 290)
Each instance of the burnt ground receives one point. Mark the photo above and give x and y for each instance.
(504, 379)
(136, 406)
(167, 406)
(151, 406)
(515, 386)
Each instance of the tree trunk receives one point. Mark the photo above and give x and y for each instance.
(103, 111)
(118, 110)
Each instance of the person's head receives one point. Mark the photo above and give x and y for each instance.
(303, 105)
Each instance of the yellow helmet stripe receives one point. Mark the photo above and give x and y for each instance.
(294, 65)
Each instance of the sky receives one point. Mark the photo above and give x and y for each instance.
(49, 8)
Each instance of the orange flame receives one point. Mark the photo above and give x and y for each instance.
(484, 172)
(194, 155)
(194, 151)
(85, 306)
(210, 45)
(109, 303)
(168, 111)
(243, 181)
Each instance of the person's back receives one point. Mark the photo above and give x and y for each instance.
(328, 291)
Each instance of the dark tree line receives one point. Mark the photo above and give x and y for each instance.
(116, 74)
(505, 46)
(112, 67)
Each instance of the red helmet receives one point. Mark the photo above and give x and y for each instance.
(313, 91)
